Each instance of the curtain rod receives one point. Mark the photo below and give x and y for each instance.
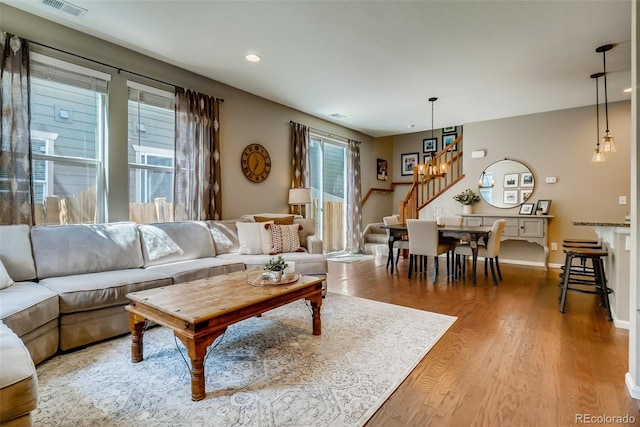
(109, 65)
(291, 122)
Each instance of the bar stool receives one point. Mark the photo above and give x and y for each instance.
(580, 243)
(594, 277)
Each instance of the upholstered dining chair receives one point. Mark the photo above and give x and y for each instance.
(488, 251)
(424, 241)
(399, 244)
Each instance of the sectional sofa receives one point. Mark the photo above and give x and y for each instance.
(71, 281)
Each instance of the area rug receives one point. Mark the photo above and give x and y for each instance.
(349, 258)
(264, 371)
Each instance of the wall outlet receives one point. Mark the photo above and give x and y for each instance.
(554, 246)
(550, 180)
(622, 200)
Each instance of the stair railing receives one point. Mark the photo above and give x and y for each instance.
(431, 179)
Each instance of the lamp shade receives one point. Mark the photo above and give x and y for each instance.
(299, 196)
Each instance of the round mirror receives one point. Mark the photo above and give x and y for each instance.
(506, 184)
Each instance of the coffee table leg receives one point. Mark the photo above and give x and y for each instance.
(197, 349)
(136, 324)
(316, 303)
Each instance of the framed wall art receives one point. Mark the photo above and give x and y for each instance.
(510, 197)
(448, 139)
(544, 205)
(383, 171)
(449, 129)
(511, 180)
(526, 209)
(407, 162)
(430, 145)
(526, 179)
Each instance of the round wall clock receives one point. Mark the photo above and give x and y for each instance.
(255, 162)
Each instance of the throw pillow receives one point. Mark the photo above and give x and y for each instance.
(5, 279)
(285, 238)
(254, 237)
(282, 220)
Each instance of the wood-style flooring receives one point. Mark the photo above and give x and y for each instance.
(511, 358)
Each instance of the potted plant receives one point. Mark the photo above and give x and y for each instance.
(467, 198)
(275, 267)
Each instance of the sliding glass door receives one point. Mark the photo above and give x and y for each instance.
(327, 174)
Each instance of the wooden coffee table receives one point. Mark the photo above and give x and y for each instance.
(199, 311)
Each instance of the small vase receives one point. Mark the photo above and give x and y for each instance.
(467, 209)
(276, 276)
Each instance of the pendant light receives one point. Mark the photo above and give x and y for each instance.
(598, 155)
(608, 144)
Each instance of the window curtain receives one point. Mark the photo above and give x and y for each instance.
(300, 162)
(355, 241)
(196, 188)
(16, 180)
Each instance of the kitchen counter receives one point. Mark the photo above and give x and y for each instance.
(603, 223)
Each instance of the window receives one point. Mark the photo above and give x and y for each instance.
(68, 116)
(151, 153)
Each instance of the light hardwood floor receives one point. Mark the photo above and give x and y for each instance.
(511, 358)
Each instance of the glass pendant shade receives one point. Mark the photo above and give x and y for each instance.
(608, 143)
(598, 156)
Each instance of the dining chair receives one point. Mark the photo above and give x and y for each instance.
(399, 244)
(489, 250)
(424, 241)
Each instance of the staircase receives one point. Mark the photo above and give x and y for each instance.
(432, 179)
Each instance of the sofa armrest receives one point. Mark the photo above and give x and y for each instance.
(314, 244)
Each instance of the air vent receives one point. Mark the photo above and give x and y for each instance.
(65, 6)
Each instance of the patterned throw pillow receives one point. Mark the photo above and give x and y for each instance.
(285, 239)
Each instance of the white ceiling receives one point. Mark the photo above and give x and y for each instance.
(378, 62)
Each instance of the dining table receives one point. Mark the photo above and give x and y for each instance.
(467, 232)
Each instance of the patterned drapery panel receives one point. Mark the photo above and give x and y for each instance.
(355, 242)
(197, 192)
(299, 162)
(16, 189)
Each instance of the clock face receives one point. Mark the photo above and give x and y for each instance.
(255, 162)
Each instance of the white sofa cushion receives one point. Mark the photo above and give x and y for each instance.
(15, 252)
(18, 380)
(26, 306)
(66, 250)
(254, 237)
(169, 242)
(5, 279)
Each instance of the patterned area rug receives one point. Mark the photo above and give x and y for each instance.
(265, 371)
(349, 258)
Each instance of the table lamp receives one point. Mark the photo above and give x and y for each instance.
(299, 197)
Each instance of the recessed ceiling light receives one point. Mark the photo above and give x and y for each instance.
(337, 116)
(628, 90)
(252, 57)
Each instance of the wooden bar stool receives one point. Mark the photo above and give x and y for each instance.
(581, 243)
(583, 280)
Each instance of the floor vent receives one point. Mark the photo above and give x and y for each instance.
(65, 6)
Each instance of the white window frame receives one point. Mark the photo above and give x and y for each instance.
(143, 151)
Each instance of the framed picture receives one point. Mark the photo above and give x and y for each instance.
(382, 170)
(448, 139)
(511, 180)
(430, 145)
(526, 209)
(524, 195)
(407, 162)
(526, 179)
(544, 205)
(449, 129)
(510, 197)
(426, 158)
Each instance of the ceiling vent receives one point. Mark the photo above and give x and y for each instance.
(65, 6)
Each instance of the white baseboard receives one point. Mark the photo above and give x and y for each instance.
(632, 387)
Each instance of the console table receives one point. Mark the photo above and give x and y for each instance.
(530, 228)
